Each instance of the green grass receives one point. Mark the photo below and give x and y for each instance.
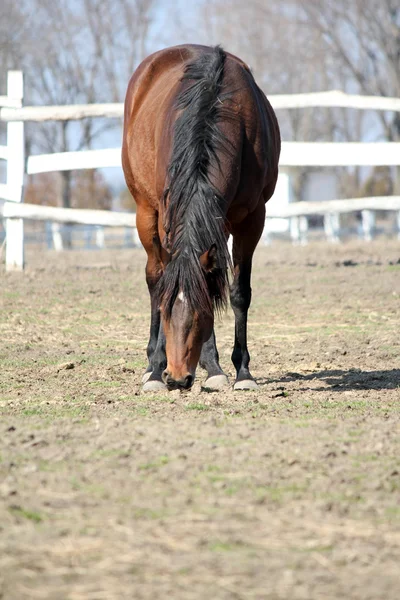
(155, 464)
(197, 406)
(31, 515)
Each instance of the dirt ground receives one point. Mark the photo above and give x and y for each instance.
(289, 492)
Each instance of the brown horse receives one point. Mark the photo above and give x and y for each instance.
(200, 155)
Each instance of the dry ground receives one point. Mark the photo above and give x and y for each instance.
(292, 491)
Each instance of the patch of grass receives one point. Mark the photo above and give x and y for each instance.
(159, 398)
(57, 411)
(278, 494)
(197, 406)
(392, 513)
(344, 499)
(11, 295)
(184, 571)
(31, 515)
(149, 513)
(226, 546)
(35, 410)
(141, 410)
(234, 488)
(367, 457)
(155, 464)
(108, 452)
(212, 469)
(52, 466)
(93, 489)
(301, 423)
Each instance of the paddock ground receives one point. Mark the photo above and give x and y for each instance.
(292, 491)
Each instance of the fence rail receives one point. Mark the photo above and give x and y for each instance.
(297, 214)
(321, 154)
(327, 207)
(79, 216)
(13, 111)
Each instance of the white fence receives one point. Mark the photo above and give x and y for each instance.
(293, 154)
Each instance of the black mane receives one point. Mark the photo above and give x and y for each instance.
(194, 209)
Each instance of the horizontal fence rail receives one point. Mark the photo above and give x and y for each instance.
(68, 161)
(321, 154)
(108, 218)
(12, 110)
(73, 112)
(296, 209)
(334, 99)
(79, 216)
(331, 154)
(296, 213)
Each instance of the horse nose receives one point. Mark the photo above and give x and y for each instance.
(185, 383)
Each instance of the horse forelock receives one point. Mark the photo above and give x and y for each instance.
(194, 211)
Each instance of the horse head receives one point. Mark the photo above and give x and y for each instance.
(188, 319)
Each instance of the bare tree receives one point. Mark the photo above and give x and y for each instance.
(363, 39)
(285, 58)
(315, 45)
(73, 52)
(87, 53)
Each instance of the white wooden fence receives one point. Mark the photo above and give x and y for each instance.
(293, 154)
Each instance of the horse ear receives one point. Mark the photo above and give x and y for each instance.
(208, 260)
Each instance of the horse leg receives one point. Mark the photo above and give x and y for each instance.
(156, 346)
(245, 239)
(209, 360)
(147, 224)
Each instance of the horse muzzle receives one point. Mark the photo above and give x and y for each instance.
(183, 383)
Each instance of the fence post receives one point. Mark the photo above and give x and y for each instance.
(331, 227)
(15, 176)
(367, 224)
(298, 230)
(57, 237)
(100, 237)
(398, 224)
(266, 235)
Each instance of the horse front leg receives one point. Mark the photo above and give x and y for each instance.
(147, 224)
(240, 296)
(209, 360)
(245, 238)
(155, 323)
(156, 354)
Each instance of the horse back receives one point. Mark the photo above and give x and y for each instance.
(249, 165)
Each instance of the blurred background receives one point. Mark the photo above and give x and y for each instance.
(84, 51)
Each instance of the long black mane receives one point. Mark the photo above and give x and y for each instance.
(194, 210)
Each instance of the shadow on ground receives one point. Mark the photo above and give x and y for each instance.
(352, 379)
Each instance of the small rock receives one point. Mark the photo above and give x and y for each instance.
(66, 366)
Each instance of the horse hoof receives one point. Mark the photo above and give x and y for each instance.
(146, 376)
(153, 386)
(216, 382)
(245, 384)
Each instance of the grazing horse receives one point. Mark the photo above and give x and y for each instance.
(200, 155)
